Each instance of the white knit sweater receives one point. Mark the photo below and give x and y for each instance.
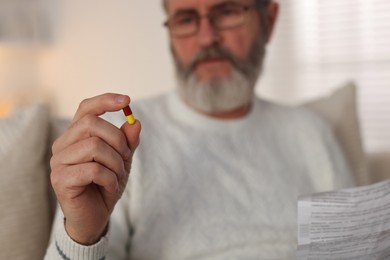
(202, 188)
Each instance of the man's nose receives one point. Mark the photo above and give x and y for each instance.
(207, 34)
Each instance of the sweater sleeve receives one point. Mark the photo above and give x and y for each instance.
(114, 245)
(62, 247)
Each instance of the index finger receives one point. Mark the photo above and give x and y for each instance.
(98, 105)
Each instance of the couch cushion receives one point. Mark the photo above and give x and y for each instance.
(379, 166)
(57, 126)
(24, 219)
(340, 110)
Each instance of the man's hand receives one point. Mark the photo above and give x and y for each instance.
(90, 166)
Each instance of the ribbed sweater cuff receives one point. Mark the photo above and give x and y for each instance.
(68, 249)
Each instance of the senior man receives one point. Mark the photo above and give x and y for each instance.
(217, 172)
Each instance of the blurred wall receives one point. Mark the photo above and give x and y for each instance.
(105, 46)
(18, 71)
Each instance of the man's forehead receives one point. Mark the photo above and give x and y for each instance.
(174, 5)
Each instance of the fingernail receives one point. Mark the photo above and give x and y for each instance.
(120, 98)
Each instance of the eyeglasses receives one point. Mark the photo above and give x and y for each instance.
(224, 16)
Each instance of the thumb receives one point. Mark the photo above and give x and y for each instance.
(132, 133)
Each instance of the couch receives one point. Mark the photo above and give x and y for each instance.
(27, 202)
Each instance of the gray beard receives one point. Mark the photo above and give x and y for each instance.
(217, 95)
(221, 95)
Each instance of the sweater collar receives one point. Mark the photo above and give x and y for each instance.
(183, 113)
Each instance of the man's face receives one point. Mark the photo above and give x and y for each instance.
(217, 68)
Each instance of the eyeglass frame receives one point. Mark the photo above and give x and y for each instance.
(245, 9)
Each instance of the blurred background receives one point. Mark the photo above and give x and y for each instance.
(63, 51)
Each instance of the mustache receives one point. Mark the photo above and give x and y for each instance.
(213, 52)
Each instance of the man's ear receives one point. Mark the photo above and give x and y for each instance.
(272, 14)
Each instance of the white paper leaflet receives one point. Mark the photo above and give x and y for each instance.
(346, 224)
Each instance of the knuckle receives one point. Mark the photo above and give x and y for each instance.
(53, 162)
(86, 123)
(122, 142)
(108, 94)
(83, 104)
(55, 179)
(57, 144)
(94, 143)
(94, 169)
(54, 147)
(89, 120)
